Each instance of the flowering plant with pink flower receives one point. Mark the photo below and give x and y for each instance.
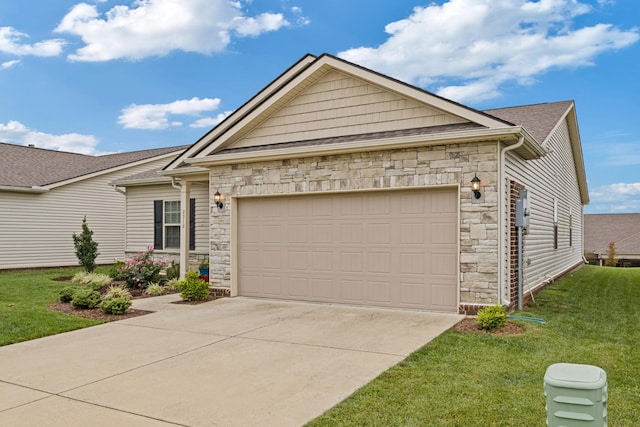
(141, 270)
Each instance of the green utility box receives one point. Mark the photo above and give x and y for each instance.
(576, 395)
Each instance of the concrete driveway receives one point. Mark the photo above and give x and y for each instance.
(234, 361)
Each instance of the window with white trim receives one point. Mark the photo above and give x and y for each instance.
(172, 224)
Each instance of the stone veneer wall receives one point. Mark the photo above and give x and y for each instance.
(453, 164)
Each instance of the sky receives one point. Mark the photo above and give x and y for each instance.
(108, 76)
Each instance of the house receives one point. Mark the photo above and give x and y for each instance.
(621, 229)
(339, 184)
(45, 194)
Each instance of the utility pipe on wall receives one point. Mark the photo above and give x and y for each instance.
(501, 209)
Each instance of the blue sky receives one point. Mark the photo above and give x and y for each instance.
(119, 75)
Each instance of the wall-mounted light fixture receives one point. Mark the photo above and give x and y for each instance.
(217, 199)
(475, 186)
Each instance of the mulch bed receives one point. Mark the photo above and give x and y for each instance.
(470, 324)
(99, 315)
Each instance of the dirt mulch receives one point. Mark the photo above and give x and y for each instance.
(101, 316)
(470, 324)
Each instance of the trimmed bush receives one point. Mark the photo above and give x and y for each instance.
(492, 317)
(193, 288)
(86, 298)
(116, 305)
(154, 289)
(114, 270)
(66, 294)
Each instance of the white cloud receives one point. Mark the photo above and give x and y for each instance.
(466, 49)
(16, 132)
(209, 122)
(9, 64)
(616, 198)
(11, 43)
(621, 154)
(156, 116)
(157, 27)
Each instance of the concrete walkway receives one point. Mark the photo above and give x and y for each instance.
(230, 362)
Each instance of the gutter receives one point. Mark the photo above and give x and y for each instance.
(175, 185)
(34, 189)
(501, 209)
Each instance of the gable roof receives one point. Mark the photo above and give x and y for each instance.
(309, 71)
(25, 167)
(622, 229)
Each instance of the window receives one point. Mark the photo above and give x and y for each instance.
(166, 224)
(555, 223)
(172, 225)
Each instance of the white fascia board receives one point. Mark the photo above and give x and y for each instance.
(508, 135)
(33, 190)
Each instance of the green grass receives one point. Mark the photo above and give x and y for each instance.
(465, 379)
(24, 299)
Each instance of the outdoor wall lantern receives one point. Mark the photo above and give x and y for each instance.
(475, 186)
(217, 199)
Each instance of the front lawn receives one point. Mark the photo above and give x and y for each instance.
(470, 379)
(24, 299)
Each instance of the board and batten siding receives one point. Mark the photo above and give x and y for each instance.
(36, 229)
(337, 105)
(552, 177)
(140, 215)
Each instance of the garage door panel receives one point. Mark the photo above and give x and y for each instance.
(380, 248)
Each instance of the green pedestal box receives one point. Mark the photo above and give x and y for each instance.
(576, 395)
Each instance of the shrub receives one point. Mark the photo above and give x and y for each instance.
(66, 294)
(173, 271)
(85, 298)
(117, 292)
(154, 289)
(492, 317)
(86, 247)
(93, 280)
(141, 270)
(116, 305)
(172, 285)
(193, 288)
(114, 270)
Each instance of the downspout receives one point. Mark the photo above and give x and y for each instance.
(174, 184)
(119, 190)
(501, 210)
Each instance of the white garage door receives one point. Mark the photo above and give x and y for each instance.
(386, 248)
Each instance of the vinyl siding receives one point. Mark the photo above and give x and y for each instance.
(36, 229)
(550, 177)
(338, 104)
(139, 216)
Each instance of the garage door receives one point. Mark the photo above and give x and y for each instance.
(385, 248)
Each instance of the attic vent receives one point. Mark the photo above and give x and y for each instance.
(31, 146)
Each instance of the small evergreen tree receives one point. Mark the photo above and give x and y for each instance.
(611, 254)
(86, 247)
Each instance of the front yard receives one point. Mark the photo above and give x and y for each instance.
(460, 378)
(470, 379)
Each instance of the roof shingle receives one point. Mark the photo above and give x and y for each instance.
(22, 166)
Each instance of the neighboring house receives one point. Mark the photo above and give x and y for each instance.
(339, 184)
(44, 195)
(621, 229)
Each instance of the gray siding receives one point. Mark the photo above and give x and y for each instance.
(140, 215)
(550, 177)
(36, 229)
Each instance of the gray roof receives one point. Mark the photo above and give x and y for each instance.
(622, 229)
(22, 166)
(538, 119)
